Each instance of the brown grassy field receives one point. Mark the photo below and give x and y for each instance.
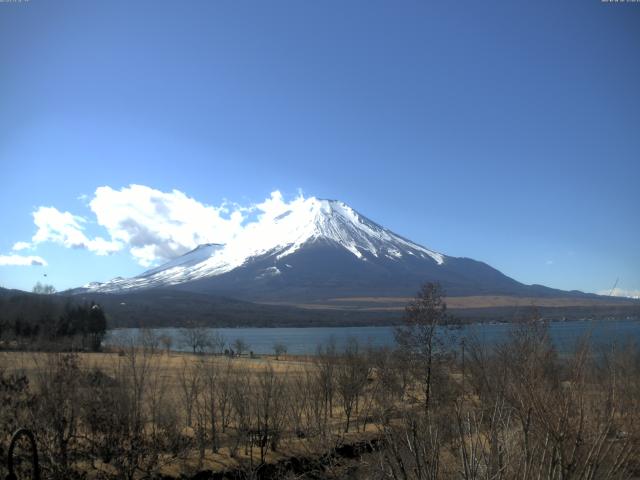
(167, 373)
(469, 302)
(171, 363)
(517, 408)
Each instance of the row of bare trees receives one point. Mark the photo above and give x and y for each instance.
(143, 410)
(515, 410)
(198, 339)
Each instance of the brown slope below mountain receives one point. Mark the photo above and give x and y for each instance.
(475, 301)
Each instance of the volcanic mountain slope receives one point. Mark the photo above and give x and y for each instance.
(321, 249)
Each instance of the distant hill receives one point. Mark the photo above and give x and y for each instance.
(175, 308)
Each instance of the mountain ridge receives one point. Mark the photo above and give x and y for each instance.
(314, 249)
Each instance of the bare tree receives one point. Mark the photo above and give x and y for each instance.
(141, 428)
(57, 411)
(351, 378)
(197, 338)
(211, 374)
(223, 392)
(325, 360)
(268, 406)
(240, 346)
(190, 386)
(279, 349)
(411, 448)
(417, 338)
(216, 342)
(241, 408)
(148, 340)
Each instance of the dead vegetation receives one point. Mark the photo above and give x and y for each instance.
(514, 410)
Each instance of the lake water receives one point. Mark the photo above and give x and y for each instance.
(306, 340)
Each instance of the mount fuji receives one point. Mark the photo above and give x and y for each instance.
(320, 251)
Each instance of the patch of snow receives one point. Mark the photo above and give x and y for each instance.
(269, 272)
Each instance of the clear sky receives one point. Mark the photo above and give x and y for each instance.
(508, 132)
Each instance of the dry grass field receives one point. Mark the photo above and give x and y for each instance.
(397, 304)
(518, 410)
(177, 381)
(171, 363)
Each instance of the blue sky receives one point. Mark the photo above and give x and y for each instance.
(508, 132)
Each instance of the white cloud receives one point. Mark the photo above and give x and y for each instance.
(549, 262)
(275, 205)
(620, 292)
(21, 260)
(20, 246)
(154, 226)
(66, 229)
(162, 225)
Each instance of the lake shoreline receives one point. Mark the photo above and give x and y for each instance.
(305, 340)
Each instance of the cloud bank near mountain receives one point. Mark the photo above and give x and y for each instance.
(152, 225)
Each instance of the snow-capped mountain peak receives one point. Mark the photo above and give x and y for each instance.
(279, 234)
(337, 221)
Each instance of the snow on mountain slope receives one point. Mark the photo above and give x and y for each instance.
(189, 259)
(281, 234)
